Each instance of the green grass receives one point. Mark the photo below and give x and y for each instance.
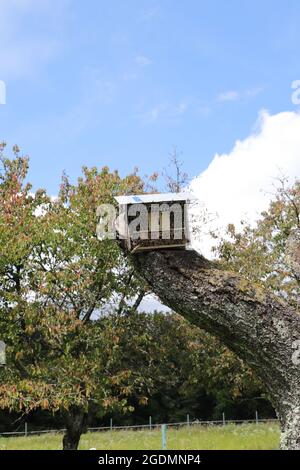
(244, 436)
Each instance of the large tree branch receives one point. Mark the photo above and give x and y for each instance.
(138, 300)
(261, 328)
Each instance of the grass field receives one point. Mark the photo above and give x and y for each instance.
(244, 436)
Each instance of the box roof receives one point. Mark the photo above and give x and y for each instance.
(156, 197)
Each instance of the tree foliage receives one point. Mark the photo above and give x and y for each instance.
(261, 252)
(56, 281)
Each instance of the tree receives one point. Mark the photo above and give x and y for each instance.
(251, 307)
(176, 179)
(267, 253)
(187, 370)
(56, 281)
(173, 369)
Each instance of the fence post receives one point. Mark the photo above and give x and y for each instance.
(164, 436)
(256, 417)
(26, 429)
(224, 421)
(111, 424)
(150, 422)
(188, 419)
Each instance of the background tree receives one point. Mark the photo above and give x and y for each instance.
(175, 177)
(56, 280)
(188, 372)
(264, 253)
(173, 369)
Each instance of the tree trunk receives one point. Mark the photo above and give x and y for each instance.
(259, 327)
(75, 421)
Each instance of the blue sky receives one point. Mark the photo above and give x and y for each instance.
(120, 83)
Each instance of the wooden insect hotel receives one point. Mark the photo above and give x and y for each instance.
(154, 221)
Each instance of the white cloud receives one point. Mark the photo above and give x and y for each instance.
(143, 61)
(129, 76)
(230, 95)
(254, 91)
(181, 108)
(154, 113)
(234, 95)
(164, 112)
(240, 185)
(150, 14)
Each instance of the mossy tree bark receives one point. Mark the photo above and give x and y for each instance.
(260, 328)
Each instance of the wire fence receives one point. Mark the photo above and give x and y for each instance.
(150, 426)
